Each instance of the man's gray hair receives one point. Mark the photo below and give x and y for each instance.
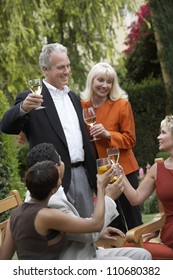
(44, 58)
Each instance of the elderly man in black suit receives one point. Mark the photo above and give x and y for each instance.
(60, 123)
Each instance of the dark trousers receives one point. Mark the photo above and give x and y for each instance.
(129, 216)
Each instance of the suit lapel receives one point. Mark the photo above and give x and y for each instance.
(52, 114)
(77, 106)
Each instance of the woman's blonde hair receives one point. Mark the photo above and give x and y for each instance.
(98, 70)
(168, 122)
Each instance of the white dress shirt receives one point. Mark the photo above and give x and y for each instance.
(69, 121)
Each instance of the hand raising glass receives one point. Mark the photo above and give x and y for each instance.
(103, 164)
(89, 116)
(35, 86)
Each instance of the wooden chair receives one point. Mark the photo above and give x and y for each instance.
(146, 232)
(138, 236)
(6, 204)
(147, 236)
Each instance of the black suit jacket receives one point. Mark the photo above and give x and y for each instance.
(44, 126)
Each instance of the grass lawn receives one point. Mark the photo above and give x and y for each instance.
(147, 217)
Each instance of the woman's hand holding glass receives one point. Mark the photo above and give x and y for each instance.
(113, 184)
(98, 130)
(89, 116)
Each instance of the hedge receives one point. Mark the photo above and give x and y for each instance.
(148, 104)
(9, 165)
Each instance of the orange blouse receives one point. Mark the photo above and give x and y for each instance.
(117, 118)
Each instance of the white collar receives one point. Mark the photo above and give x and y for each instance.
(55, 90)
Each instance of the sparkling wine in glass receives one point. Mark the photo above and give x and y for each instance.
(89, 116)
(113, 154)
(103, 164)
(35, 86)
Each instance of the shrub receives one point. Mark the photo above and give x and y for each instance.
(150, 205)
(163, 155)
(148, 104)
(9, 166)
(22, 153)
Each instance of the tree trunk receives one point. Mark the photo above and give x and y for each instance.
(163, 29)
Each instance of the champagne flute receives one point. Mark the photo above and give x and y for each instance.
(36, 87)
(89, 116)
(113, 154)
(103, 164)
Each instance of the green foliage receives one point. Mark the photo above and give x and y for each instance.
(4, 171)
(141, 60)
(148, 104)
(150, 98)
(19, 31)
(163, 155)
(85, 27)
(150, 205)
(9, 176)
(22, 153)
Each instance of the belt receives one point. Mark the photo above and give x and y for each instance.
(77, 164)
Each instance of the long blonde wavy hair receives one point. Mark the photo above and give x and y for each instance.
(99, 70)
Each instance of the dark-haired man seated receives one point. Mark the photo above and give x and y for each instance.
(82, 246)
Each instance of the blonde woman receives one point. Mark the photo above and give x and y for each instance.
(159, 178)
(114, 127)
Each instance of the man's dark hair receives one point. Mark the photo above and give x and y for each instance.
(42, 152)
